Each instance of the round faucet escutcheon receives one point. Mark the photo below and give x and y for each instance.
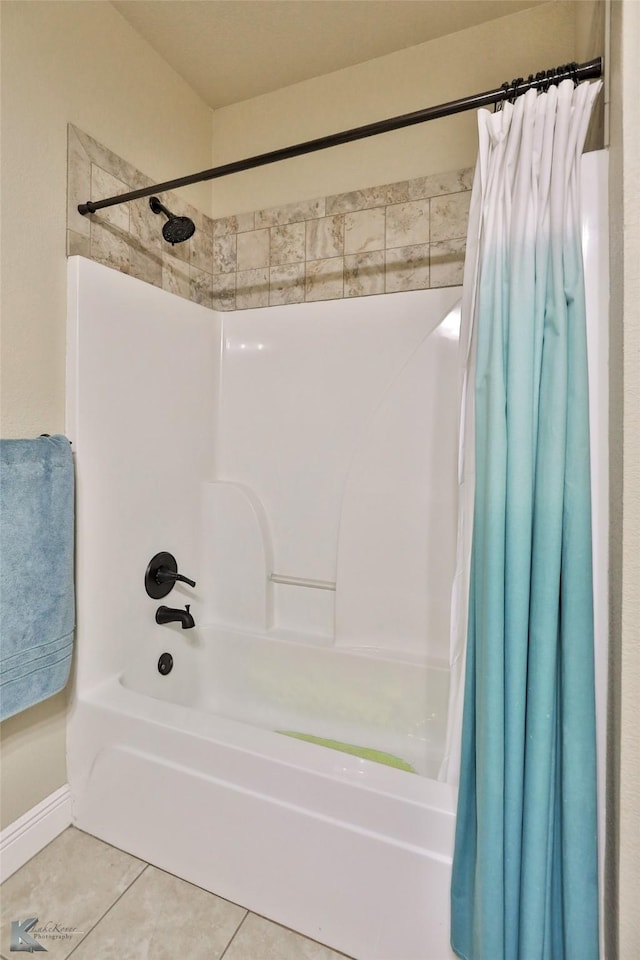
(161, 575)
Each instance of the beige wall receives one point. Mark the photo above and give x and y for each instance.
(78, 62)
(463, 63)
(624, 862)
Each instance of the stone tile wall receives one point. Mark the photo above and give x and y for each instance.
(401, 236)
(129, 237)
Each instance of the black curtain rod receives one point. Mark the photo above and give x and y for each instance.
(577, 72)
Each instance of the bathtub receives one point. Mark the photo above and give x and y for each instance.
(345, 850)
(310, 617)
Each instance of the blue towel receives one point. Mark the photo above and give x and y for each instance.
(37, 604)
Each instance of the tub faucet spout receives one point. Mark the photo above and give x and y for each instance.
(171, 615)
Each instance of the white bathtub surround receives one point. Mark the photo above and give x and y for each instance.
(399, 501)
(248, 445)
(595, 245)
(325, 416)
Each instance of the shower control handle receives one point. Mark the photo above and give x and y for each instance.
(162, 574)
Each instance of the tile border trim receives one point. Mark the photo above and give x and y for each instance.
(407, 235)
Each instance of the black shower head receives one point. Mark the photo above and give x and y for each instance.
(176, 229)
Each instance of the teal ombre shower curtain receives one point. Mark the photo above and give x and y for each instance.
(524, 883)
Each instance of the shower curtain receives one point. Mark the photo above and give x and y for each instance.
(524, 884)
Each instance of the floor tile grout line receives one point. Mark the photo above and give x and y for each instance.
(246, 914)
(107, 911)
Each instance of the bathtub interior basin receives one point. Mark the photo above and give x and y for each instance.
(360, 697)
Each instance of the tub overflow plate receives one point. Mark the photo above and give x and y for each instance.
(165, 664)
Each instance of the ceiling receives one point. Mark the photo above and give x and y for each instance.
(231, 50)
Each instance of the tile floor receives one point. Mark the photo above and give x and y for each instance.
(94, 902)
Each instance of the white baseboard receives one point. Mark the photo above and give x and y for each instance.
(26, 836)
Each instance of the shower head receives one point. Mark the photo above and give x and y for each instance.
(176, 229)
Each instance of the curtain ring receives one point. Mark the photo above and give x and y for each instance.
(500, 103)
(515, 84)
(573, 69)
(529, 81)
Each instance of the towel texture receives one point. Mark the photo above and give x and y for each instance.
(37, 607)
